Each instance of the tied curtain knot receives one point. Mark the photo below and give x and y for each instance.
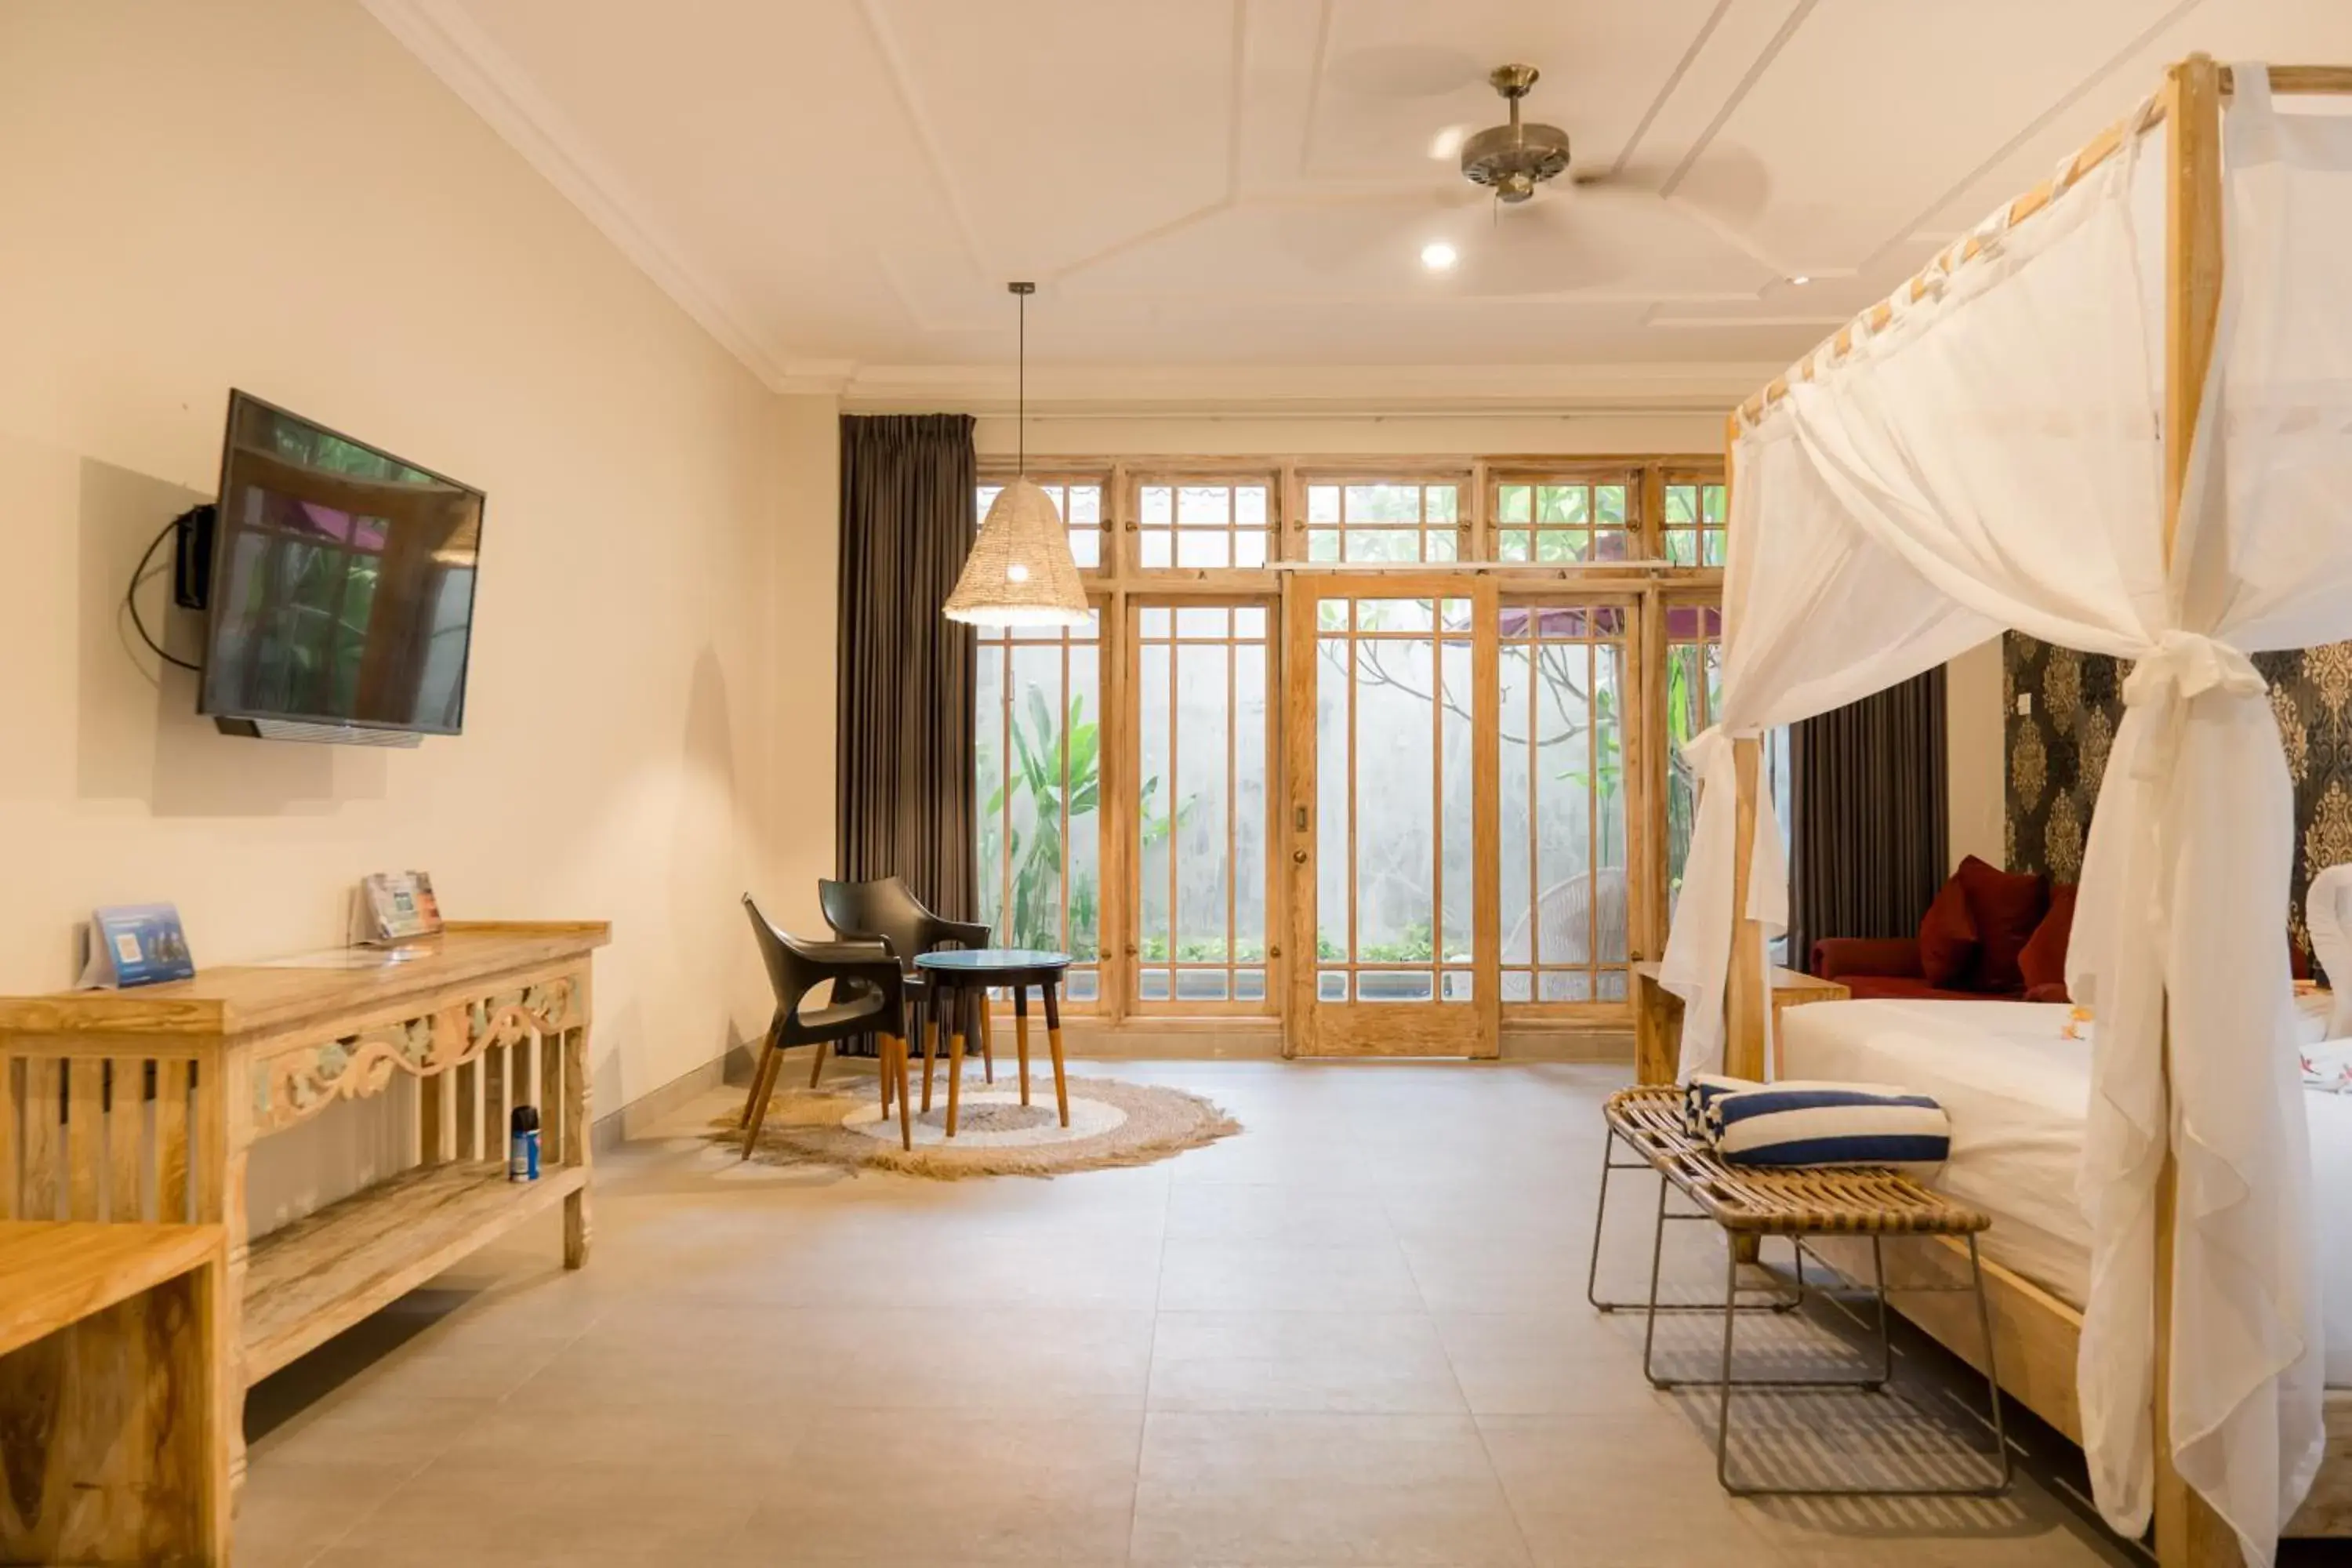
(2180, 667)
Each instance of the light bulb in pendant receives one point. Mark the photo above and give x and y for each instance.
(1016, 573)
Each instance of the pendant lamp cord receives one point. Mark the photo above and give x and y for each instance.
(1022, 291)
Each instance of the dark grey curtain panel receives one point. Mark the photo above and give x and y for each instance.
(903, 780)
(1868, 799)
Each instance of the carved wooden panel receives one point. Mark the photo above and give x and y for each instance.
(295, 1084)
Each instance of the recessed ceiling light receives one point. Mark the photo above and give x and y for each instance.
(1800, 279)
(1447, 145)
(1439, 256)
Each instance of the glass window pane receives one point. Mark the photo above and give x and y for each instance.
(1383, 544)
(1513, 503)
(1204, 504)
(1439, 544)
(1383, 503)
(1158, 505)
(1200, 547)
(1249, 548)
(1322, 544)
(1562, 503)
(1715, 547)
(1159, 549)
(1085, 508)
(1511, 544)
(1323, 503)
(1439, 503)
(1249, 505)
(1201, 621)
(1713, 500)
(1609, 504)
(1682, 504)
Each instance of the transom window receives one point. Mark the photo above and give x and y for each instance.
(1079, 501)
(1694, 524)
(1203, 522)
(1564, 521)
(1383, 520)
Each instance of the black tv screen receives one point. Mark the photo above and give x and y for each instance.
(343, 581)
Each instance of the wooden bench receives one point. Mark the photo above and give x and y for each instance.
(1749, 1203)
(115, 1393)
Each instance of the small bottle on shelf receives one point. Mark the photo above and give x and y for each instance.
(522, 1146)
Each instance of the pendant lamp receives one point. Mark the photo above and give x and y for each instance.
(1020, 572)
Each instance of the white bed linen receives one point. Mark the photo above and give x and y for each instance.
(2016, 1090)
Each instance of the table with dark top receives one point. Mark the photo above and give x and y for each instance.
(964, 979)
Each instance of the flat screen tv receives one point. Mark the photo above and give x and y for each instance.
(340, 598)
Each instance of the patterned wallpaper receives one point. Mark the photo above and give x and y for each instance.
(2058, 752)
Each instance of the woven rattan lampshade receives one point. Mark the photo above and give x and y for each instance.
(1020, 572)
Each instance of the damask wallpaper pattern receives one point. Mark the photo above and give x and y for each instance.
(2058, 752)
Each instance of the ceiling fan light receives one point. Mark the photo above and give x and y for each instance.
(1439, 255)
(1020, 572)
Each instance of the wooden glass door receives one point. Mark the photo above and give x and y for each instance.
(1391, 700)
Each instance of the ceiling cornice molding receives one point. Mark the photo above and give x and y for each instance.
(1320, 389)
(468, 64)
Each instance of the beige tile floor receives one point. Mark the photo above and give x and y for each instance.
(1355, 1334)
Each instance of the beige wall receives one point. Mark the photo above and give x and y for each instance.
(1975, 766)
(277, 197)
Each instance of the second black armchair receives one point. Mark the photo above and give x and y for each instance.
(887, 910)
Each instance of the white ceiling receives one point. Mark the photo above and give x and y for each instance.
(1228, 198)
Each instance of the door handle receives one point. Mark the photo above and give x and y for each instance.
(1298, 857)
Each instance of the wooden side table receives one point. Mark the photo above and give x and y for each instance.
(118, 1379)
(964, 979)
(1658, 1015)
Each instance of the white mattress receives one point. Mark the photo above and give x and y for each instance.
(2016, 1091)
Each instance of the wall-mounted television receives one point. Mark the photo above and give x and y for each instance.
(341, 592)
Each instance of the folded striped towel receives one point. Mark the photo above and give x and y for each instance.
(1816, 1124)
(1703, 1090)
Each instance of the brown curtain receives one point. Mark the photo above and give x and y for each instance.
(903, 782)
(1867, 835)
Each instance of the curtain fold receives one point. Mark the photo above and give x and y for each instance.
(903, 719)
(1867, 800)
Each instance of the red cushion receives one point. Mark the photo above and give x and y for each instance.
(1947, 939)
(2006, 907)
(2042, 960)
(1907, 988)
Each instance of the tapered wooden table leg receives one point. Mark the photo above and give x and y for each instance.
(955, 1055)
(1053, 1042)
(1021, 1036)
(987, 1041)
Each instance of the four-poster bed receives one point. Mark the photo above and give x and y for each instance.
(2085, 427)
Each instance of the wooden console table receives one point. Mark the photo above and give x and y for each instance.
(141, 1106)
(114, 1397)
(1658, 1015)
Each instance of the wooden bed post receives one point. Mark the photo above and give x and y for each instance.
(1744, 998)
(2189, 1534)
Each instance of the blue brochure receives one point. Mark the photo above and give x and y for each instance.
(136, 944)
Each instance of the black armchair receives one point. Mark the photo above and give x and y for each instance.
(868, 996)
(887, 910)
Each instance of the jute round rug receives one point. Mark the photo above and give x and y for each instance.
(1111, 1123)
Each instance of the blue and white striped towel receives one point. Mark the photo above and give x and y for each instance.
(1703, 1090)
(1803, 1122)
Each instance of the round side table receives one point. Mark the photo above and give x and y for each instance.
(966, 978)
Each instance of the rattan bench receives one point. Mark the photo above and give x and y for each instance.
(1872, 1202)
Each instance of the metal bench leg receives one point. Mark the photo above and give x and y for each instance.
(1992, 1371)
(2003, 1463)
